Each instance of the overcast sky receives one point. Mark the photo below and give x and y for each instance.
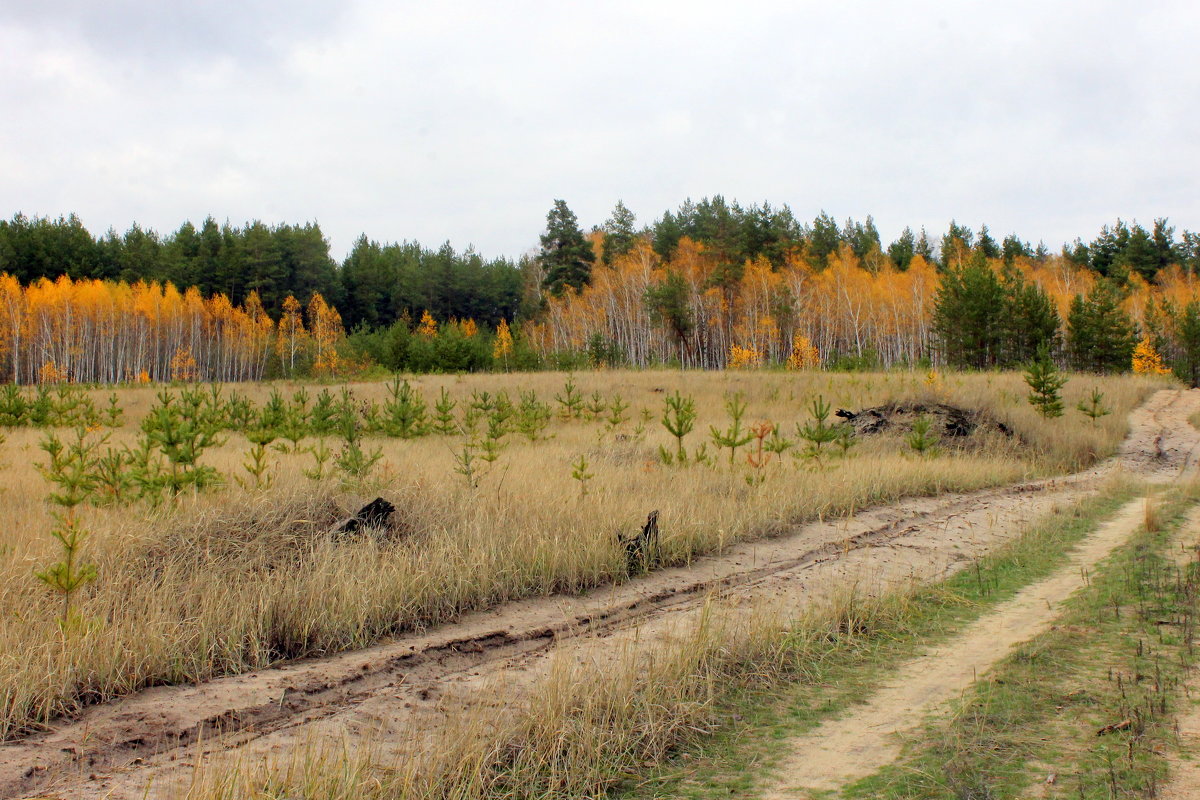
(463, 121)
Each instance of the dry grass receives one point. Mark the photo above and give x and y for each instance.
(232, 580)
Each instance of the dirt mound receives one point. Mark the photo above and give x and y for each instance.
(950, 422)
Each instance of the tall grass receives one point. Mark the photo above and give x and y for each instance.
(234, 580)
(588, 727)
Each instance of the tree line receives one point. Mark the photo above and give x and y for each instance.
(375, 285)
(709, 284)
(715, 284)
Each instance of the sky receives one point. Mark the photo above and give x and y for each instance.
(463, 121)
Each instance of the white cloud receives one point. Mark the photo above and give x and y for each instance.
(464, 120)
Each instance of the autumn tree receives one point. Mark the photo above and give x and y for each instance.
(325, 327)
(292, 338)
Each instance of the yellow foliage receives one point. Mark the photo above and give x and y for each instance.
(744, 357)
(52, 373)
(468, 328)
(1147, 361)
(183, 365)
(804, 353)
(504, 342)
(428, 326)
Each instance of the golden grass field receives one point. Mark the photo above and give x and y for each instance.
(232, 579)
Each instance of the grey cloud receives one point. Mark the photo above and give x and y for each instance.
(167, 31)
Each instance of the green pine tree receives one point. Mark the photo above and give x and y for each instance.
(619, 233)
(1046, 383)
(566, 256)
(1099, 333)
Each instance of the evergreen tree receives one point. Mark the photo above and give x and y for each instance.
(1099, 332)
(1030, 321)
(667, 303)
(566, 256)
(1013, 248)
(823, 239)
(619, 233)
(924, 247)
(903, 249)
(1045, 383)
(1188, 367)
(956, 245)
(968, 316)
(1138, 254)
(986, 244)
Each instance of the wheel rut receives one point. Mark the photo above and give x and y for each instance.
(115, 750)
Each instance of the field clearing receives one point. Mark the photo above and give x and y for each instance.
(231, 579)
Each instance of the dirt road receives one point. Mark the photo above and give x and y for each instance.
(152, 739)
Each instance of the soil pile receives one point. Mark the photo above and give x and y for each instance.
(950, 422)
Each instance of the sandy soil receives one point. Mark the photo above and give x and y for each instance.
(146, 745)
(870, 736)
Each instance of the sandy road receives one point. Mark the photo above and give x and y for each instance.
(153, 738)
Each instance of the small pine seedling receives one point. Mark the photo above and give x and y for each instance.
(579, 471)
(817, 432)
(922, 439)
(679, 419)
(1094, 406)
(734, 436)
(1046, 383)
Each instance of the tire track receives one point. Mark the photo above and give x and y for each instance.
(112, 750)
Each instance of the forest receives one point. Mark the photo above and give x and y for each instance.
(711, 284)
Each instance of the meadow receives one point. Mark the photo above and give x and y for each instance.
(209, 517)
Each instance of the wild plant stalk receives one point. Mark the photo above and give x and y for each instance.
(354, 462)
(465, 464)
(294, 426)
(759, 454)
(114, 415)
(321, 457)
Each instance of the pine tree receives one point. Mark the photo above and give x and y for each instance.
(1029, 322)
(1046, 383)
(969, 315)
(619, 233)
(1188, 367)
(566, 256)
(1099, 332)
